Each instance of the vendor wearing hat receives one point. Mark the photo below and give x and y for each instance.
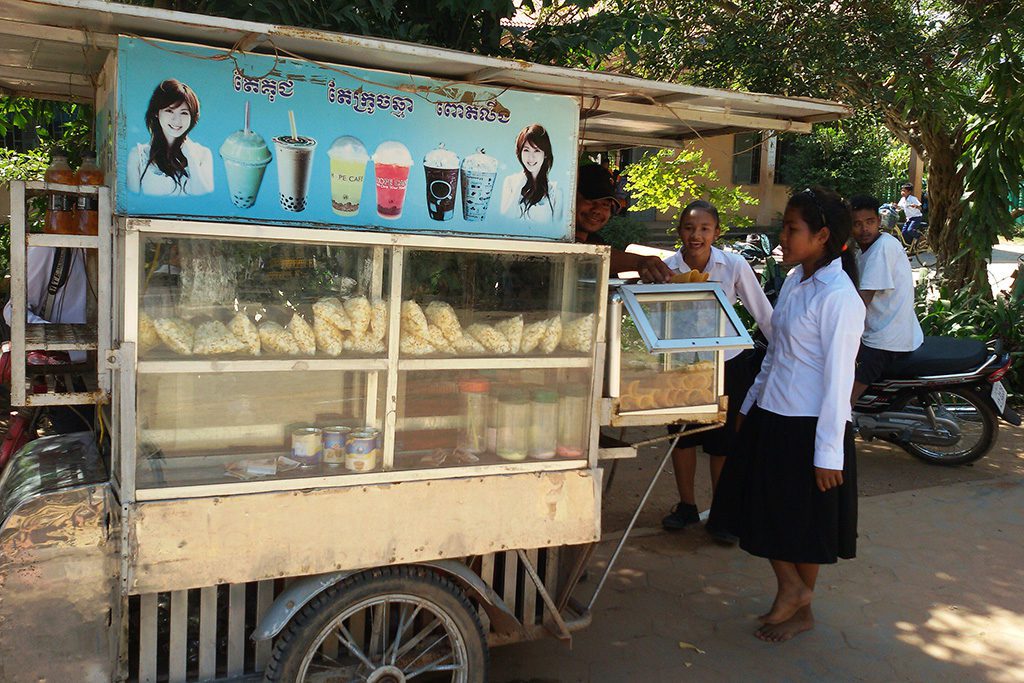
(595, 205)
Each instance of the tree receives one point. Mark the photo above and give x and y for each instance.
(943, 75)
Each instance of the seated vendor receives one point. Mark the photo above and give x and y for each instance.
(595, 206)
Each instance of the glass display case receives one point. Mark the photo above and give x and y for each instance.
(666, 350)
(292, 357)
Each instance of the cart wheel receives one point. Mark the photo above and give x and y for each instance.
(386, 625)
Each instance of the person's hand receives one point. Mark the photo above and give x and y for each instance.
(827, 479)
(740, 417)
(653, 269)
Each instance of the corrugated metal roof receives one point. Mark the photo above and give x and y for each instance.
(55, 49)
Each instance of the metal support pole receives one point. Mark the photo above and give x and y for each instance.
(632, 522)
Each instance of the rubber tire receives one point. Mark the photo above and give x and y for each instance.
(297, 637)
(988, 435)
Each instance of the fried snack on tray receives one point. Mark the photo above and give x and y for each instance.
(303, 334)
(149, 338)
(214, 338)
(689, 276)
(414, 321)
(532, 335)
(552, 335)
(329, 338)
(379, 320)
(359, 312)
(577, 335)
(276, 339)
(492, 340)
(438, 340)
(467, 345)
(414, 345)
(512, 329)
(331, 310)
(245, 331)
(176, 334)
(443, 315)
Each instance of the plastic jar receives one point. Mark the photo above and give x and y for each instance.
(86, 208)
(513, 435)
(473, 413)
(60, 206)
(544, 424)
(572, 422)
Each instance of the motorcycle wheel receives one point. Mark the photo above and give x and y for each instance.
(978, 427)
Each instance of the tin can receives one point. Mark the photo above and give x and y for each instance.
(362, 451)
(306, 446)
(335, 442)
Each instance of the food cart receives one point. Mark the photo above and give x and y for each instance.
(349, 406)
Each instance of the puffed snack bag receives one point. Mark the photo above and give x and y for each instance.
(246, 332)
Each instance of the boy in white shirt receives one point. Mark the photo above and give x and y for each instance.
(891, 328)
(911, 208)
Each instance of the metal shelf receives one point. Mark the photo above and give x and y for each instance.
(71, 241)
(493, 363)
(60, 337)
(197, 366)
(58, 382)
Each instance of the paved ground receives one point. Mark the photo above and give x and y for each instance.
(935, 593)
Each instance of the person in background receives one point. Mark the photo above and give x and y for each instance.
(698, 228)
(595, 206)
(56, 287)
(799, 489)
(891, 328)
(911, 208)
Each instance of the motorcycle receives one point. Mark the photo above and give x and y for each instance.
(756, 248)
(942, 403)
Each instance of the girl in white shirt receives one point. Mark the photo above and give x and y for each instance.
(799, 485)
(698, 228)
(171, 164)
(530, 195)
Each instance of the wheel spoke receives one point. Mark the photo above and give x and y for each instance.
(435, 666)
(346, 639)
(441, 639)
(426, 631)
(403, 623)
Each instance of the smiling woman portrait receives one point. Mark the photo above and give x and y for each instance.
(171, 163)
(530, 195)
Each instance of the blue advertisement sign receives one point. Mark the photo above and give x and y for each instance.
(224, 135)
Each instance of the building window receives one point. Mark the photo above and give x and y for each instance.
(784, 151)
(746, 158)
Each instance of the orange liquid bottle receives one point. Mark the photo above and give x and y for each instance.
(86, 208)
(60, 206)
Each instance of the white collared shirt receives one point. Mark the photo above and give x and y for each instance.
(911, 206)
(891, 322)
(808, 371)
(737, 279)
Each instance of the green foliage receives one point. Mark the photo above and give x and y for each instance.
(958, 312)
(57, 124)
(668, 180)
(623, 230)
(853, 156)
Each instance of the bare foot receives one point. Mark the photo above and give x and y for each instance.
(802, 621)
(788, 602)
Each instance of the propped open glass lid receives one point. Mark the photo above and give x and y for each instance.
(682, 317)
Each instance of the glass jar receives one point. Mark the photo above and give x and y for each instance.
(544, 424)
(473, 415)
(513, 425)
(572, 422)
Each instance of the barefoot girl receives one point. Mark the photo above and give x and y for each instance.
(799, 504)
(698, 229)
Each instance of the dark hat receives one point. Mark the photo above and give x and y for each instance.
(595, 182)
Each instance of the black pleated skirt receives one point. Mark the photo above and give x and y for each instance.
(769, 498)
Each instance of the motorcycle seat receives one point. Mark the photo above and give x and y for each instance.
(940, 356)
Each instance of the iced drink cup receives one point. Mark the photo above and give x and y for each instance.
(478, 172)
(294, 164)
(391, 164)
(442, 170)
(246, 155)
(348, 169)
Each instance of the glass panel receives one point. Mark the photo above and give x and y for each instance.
(695, 317)
(216, 298)
(485, 304)
(210, 428)
(489, 417)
